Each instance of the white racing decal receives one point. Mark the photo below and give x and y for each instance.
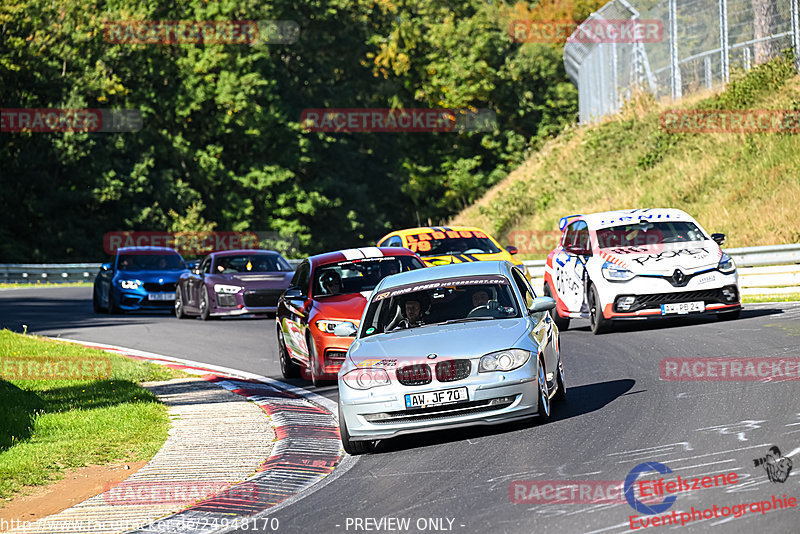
(353, 254)
(371, 252)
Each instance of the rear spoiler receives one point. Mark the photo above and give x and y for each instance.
(565, 220)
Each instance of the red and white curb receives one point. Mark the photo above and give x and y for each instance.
(306, 456)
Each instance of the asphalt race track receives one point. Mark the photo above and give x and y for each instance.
(619, 413)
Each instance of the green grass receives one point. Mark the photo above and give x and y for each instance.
(745, 185)
(787, 297)
(47, 426)
(4, 285)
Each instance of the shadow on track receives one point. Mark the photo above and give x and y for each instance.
(580, 400)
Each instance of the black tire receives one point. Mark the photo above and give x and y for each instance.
(729, 316)
(316, 381)
(598, 323)
(205, 312)
(112, 305)
(179, 312)
(562, 323)
(289, 369)
(544, 394)
(561, 392)
(353, 447)
(96, 302)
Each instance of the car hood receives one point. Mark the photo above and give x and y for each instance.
(471, 340)
(150, 276)
(447, 259)
(347, 307)
(665, 258)
(254, 280)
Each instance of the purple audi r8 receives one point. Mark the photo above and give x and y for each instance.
(233, 282)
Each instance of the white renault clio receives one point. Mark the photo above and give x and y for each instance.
(634, 264)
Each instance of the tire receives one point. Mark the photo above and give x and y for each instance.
(729, 316)
(96, 303)
(562, 323)
(598, 323)
(544, 394)
(352, 447)
(112, 304)
(289, 369)
(561, 392)
(205, 313)
(179, 313)
(316, 381)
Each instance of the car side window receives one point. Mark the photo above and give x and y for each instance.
(524, 288)
(205, 267)
(569, 236)
(582, 235)
(394, 241)
(300, 278)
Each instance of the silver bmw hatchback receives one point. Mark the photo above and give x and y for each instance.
(444, 347)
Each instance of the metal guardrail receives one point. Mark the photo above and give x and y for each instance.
(762, 270)
(773, 269)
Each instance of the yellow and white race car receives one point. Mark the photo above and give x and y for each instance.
(443, 245)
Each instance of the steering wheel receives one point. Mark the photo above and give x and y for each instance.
(474, 251)
(489, 307)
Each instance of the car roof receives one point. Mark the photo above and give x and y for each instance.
(430, 274)
(358, 254)
(606, 219)
(424, 229)
(125, 250)
(245, 251)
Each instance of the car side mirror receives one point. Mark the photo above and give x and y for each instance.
(105, 267)
(541, 304)
(512, 249)
(578, 251)
(293, 293)
(346, 329)
(719, 239)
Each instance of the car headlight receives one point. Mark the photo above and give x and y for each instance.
(328, 326)
(130, 284)
(366, 378)
(726, 265)
(222, 288)
(503, 360)
(615, 273)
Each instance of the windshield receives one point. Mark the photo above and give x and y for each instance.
(462, 299)
(438, 243)
(251, 263)
(355, 276)
(648, 233)
(150, 262)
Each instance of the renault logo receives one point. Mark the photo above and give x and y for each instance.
(432, 356)
(678, 276)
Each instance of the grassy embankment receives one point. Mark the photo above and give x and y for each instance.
(745, 185)
(47, 426)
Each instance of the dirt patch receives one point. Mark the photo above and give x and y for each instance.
(76, 486)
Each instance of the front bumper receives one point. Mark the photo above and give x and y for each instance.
(494, 398)
(140, 299)
(245, 302)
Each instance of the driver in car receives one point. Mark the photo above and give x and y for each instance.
(480, 298)
(332, 283)
(412, 311)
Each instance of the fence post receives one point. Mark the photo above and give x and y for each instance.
(723, 38)
(795, 14)
(746, 52)
(674, 68)
(707, 71)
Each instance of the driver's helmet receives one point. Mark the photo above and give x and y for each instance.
(329, 279)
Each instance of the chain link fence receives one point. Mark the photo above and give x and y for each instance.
(701, 43)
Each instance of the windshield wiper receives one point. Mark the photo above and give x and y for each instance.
(466, 320)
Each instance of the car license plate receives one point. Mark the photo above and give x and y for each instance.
(682, 308)
(436, 398)
(161, 296)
